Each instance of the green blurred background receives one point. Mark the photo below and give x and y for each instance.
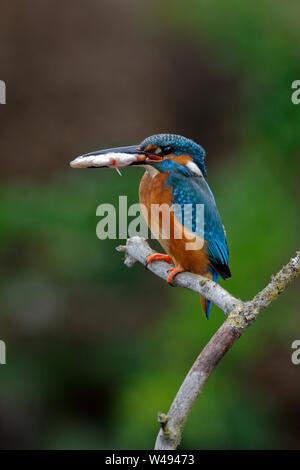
(94, 349)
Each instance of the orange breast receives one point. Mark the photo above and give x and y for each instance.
(173, 238)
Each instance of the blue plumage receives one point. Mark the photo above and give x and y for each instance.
(190, 189)
(215, 278)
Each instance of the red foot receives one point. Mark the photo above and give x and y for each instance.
(159, 257)
(172, 273)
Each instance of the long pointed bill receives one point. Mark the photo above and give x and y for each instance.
(119, 157)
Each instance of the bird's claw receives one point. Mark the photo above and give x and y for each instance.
(172, 273)
(158, 257)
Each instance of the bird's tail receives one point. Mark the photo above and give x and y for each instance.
(206, 304)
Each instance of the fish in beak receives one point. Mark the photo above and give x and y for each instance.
(116, 158)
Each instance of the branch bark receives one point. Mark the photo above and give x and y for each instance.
(240, 315)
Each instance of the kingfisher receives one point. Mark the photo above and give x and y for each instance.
(175, 179)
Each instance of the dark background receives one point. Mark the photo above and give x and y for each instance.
(94, 349)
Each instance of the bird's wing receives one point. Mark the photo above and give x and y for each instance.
(193, 191)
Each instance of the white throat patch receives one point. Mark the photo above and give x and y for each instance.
(194, 168)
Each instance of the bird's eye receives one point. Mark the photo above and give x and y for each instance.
(161, 151)
(166, 150)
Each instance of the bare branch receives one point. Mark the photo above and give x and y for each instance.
(240, 315)
(137, 249)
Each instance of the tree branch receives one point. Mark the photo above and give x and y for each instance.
(240, 315)
(137, 249)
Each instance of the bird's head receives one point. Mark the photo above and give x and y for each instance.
(165, 152)
(183, 151)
